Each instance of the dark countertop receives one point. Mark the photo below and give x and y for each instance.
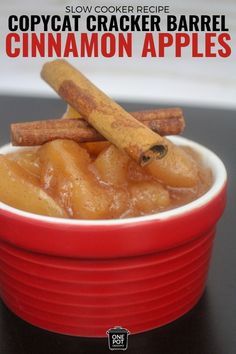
(210, 328)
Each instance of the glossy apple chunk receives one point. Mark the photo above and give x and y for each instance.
(176, 169)
(65, 173)
(149, 197)
(21, 190)
(28, 159)
(112, 165)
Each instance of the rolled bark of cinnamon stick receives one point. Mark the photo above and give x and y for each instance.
(171, 117)
(40, 132)
(163, 121)
(106, 116)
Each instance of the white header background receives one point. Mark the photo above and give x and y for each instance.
(196, 81)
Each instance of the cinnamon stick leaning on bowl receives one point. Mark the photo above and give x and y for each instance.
(106, 116)
(168, 121)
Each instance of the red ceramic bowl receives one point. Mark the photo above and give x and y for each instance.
(83, 277)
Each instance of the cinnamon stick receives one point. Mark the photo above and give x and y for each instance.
(163, 121)
(170, 120)
(106, 116)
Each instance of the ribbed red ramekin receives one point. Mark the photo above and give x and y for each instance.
(83, 277)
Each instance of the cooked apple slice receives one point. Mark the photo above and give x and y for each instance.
(28, 159)
(112, 165)
(65, 172)
(176, 169)
(149, 196)
(22, 191)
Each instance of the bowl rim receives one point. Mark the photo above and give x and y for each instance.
(208, 156)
